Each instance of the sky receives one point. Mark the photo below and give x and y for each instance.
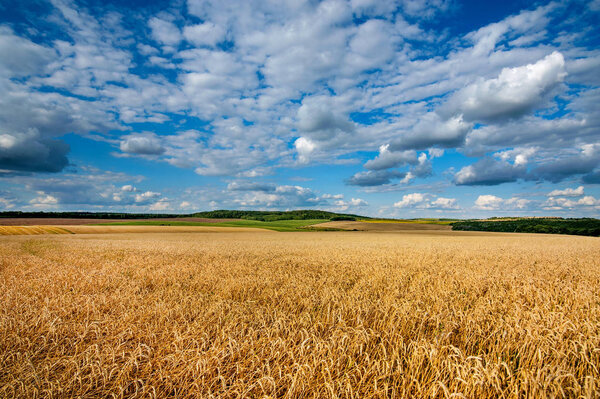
(432, 108)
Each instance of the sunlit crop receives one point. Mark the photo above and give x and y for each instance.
(312, 314)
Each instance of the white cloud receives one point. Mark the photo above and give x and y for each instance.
(560, 203)
(26, 57)
(444, 203)
(6, 203)
(567, 192)
(426, 201)
(518, 203)
(431, 130)
(515, 92)
(206, 34)
(142, 144)
(164, 32)
(410, 200)
(491, 203)
(319, 118)
(488, 202)
(161, 205)
(343, 206)
(389, 159)
(43, 200)
(304, 148)
(146, 196)
(488, 171)
(128, 188)
(358, 202)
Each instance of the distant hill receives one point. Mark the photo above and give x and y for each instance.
(267, 216)
(552, 225)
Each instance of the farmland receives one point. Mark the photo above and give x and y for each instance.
(257, 313)
(277, 225)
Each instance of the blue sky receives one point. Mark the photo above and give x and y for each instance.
(434, 108)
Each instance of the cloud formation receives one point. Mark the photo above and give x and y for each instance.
(234, 92)
(514, 93)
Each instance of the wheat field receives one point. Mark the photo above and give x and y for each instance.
(299, 315)
(32, 230)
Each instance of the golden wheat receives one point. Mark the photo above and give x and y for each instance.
(31, 230)
(336, 314)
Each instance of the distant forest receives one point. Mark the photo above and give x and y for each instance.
(582, 227)
(220, 214)
(268, 216)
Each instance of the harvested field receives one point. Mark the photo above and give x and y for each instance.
(386, 226)
(75, 221)
(322, 314)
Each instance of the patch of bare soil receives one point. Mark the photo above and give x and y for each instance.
(390, 227)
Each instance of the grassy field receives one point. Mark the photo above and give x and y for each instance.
(316, 315)
(277, 225)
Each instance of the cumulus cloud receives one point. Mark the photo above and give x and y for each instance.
(128, 188)
(6, 203)
(567, 192)
(146, 197)
(281, 197)
(425, 8)
(162, 205)
(250, 186)
(490, 202)
(582, 161)
(560, 203)
(89, 187)
(148, 144)
(381, 168)
(431, 130)
(388, 159)
(30, 152)
(206, 34)
(444, 203)
(354, 203)
(489, 171)
(247, 193)
(410, 200)
(551, 166)
(515, 92)
(164, 31)
(374, 177)
(320, 120)
(357, 202)
(426, 201)
(304, 147)
(26, 57)
(43, 201)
